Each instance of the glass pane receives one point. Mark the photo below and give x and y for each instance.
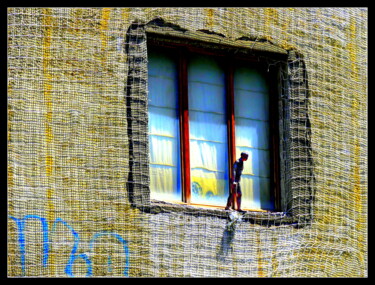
(164, 138)
(252, 135)
(208, 131)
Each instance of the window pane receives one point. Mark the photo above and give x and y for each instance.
(252, 135)
(208, 131)
(165, 169)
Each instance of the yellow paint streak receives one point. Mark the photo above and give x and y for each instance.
(357, 198)
(209, 12)
(47, 92)
(10, 148)
(49, 170)
(352, 49)
(360, 221)
(274, 258)
(105, 12)
(259, 256)
(125, 15)
(271, 18)
(356, 177)
(103, 28)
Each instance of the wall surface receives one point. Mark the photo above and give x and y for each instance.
(68, 152)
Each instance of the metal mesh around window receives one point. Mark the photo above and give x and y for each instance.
(77, 148)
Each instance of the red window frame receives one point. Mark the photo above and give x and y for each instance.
(182, 51)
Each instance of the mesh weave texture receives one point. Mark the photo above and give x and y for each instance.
(78, 201)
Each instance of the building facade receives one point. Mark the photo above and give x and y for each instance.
(78, 146)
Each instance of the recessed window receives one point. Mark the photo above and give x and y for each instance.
(205, 108)
(161, 159)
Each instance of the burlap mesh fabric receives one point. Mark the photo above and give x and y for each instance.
(78, 185)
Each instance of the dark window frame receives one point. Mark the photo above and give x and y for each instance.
(183, 51)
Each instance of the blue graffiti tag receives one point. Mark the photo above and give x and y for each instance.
(22, 242)
(73, 254)
(126, 249)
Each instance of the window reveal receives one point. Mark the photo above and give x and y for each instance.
(203, 111)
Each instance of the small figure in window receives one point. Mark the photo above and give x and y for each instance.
(234, 199)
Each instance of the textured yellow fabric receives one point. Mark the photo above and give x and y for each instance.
(69, 212)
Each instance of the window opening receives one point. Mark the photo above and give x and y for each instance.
(204, 110)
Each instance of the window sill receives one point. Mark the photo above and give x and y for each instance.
(260, 217)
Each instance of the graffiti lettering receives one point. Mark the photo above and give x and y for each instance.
(21, 223)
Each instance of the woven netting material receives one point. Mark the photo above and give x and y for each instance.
(78, 149)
